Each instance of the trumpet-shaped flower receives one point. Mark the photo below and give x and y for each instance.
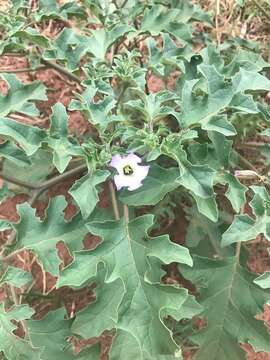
(130, 174)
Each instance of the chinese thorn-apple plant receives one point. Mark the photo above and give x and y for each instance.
(160, 156)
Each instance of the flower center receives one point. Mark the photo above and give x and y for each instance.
(127, 170)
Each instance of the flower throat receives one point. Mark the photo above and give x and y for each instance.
(127, 170)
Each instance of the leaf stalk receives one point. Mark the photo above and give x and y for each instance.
(46, 184)
(114, 201)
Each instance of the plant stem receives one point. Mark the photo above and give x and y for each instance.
(115, 3)
(19, 182)
(136, 25)
(50, 64)
(124, 88)
(17, 54)
(14, 296)
(46, 184)
(124, 3)
(138, 41)
(49, 183)
(61, 69)
(238, 250)
(41, 67)
(126, 213)
(252, 144)
(246, 163)
(238, 244)
(114, 201)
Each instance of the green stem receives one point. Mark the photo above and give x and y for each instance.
(252, 144)
(50, 64)
(62, 70)
(114, 201)
(17, 54)
(124, 88)
(237, 251)
(124, 3)
(46, 184)
(245, 162)
(49, 183)
(115, 3)
(41, 67)
(136, 25)
(126, 213)
(19, 182)
(239, 243)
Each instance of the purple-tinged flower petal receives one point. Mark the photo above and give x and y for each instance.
(119, 180)
(116, 162)
(133, 183)
(134, 159)
(142, 171)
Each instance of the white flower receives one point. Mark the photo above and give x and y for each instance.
(130, 174)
